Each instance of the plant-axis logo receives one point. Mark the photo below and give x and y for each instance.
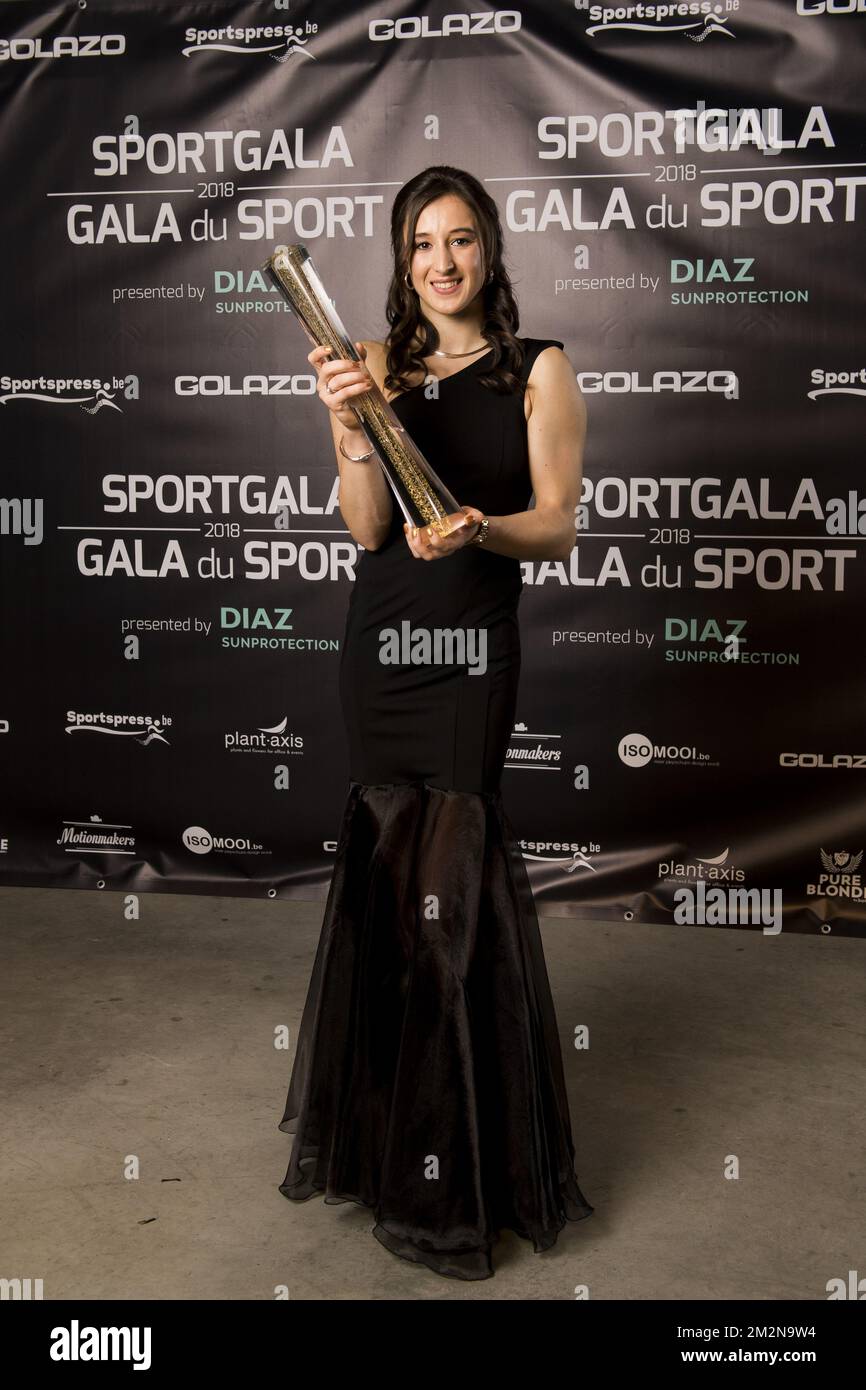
(274, 738)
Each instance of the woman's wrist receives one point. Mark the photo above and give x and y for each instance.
(368, 449)
(479, 531)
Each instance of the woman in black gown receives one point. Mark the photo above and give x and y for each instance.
(428, 1081)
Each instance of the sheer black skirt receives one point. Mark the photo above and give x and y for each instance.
(428, 1082)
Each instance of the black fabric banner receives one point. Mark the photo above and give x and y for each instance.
(681, 189)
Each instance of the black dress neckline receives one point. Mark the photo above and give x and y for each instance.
(460, 371)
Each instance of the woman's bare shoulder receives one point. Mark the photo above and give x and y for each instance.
(552, 383)
(551, 368)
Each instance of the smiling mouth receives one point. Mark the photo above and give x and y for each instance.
(445, 286)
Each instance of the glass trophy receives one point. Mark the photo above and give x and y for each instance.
(422, 496)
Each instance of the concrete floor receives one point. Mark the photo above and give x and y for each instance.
(155, 1039)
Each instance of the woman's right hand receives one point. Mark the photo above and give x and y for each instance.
(340, 381)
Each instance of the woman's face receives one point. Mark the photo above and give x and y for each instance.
(445, 256)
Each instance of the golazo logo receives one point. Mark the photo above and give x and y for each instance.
(77, 1343)
(64, 46)
(664, 380)
(253, 39)
(830, 7)
(605, 18)
(51, 389)
(258, 385)
(451, 26)
(833, 760)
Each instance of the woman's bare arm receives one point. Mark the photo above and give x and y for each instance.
(365, 499)
(556, 433)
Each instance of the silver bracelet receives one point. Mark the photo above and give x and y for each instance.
(481, 534)
(355, 458)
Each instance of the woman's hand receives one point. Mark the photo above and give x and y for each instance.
(426, 543)
(340, 381)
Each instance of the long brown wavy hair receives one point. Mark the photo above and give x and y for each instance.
(407, 323)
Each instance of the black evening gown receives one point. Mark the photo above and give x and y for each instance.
(428, 1081)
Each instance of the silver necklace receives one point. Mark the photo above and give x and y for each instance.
(438, 353)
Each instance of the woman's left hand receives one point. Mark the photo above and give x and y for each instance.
(426, 543)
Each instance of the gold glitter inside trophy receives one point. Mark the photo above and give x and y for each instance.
(423, 497)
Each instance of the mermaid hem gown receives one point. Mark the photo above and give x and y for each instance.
(427, 1082)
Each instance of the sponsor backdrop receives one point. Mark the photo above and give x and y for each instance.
(681, 188)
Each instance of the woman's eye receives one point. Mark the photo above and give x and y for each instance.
(420, 244)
